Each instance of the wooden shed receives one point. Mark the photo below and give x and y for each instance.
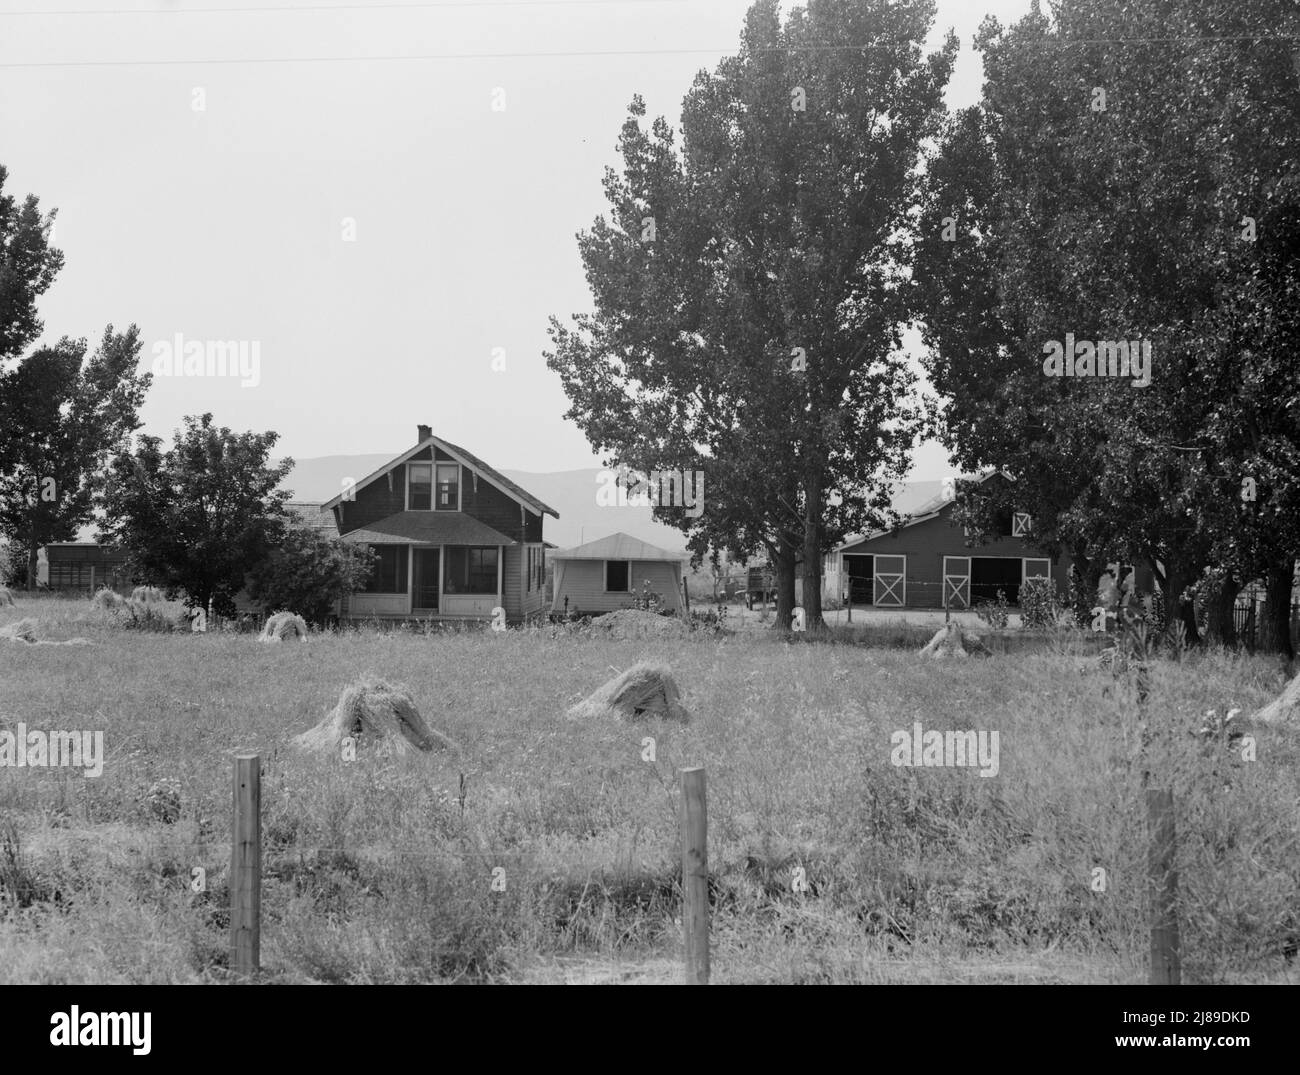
(604, 575)
(927, 563)
(82, 565)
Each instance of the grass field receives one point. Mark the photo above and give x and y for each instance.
(380, 871)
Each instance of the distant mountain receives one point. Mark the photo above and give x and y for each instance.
(570, 492)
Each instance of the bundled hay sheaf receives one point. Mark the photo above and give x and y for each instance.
(952, 641)
(283, 625)
(1282, 711)
(147, 594)
(108, 600)
(645, 690)
(24, 630)
(374, 714)
(6, 598)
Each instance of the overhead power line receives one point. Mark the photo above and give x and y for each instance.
(275, 8)
(572, 53)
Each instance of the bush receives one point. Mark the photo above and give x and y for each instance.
(994, 614)
(308, 573)
(1079, 600)
(648, 601)
(1040, 604)
(710, 619)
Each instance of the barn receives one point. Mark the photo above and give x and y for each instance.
(604, 575)
(926, 562)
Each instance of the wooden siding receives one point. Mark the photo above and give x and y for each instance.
(374, 502)
(532, 527)
(490, 505)
(512, 582)
(584, 585)
(534, 600)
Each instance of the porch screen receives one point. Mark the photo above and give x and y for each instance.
(389, 572)
(471, 569)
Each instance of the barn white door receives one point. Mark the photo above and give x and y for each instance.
(1034, 569)
(956, 581)
(890, 590)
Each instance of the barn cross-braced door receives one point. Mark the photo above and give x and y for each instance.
(1021, 524)
(956, 581)
(1035, 569)
(890, 589)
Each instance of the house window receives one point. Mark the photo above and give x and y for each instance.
(389, 572)
(616, 573)
(449, 487)
(471, 569)
(541, 566)
(421, 479)
(532, 571)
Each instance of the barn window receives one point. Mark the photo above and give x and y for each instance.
(421, 477)
(449, 487)
(389, 572)
(616, 573)
(472, 569)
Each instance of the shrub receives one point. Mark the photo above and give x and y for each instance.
(994, 613)
(710, 619)
(308, 573)
(1040, 604)
(1079, 600)
(647, 600)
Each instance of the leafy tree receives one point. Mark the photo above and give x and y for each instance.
(750, 286)
(200, 515)
(306, 573)
(1122, 222)
(65, 414)
(28, 265)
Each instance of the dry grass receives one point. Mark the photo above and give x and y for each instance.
(382, 869)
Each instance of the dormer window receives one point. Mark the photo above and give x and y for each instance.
(420, 494)
(448, 487)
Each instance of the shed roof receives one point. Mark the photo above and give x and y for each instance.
(617, 546)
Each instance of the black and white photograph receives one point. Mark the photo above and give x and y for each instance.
(650, 492)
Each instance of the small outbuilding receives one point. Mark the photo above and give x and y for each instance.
(604, 575)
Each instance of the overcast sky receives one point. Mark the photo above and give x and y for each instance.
(227, 223)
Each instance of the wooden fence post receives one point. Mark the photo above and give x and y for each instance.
(246, 866)
(1166, 968)
(695, 876)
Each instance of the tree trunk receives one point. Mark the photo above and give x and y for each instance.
(1275, 624)
(1176, 580)
(783, 561)
(1221, 626)
(31, 563)
(812, 561)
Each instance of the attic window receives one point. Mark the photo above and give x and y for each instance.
(448, 487)
(421, 486)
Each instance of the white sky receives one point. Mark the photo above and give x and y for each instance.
(226, 224)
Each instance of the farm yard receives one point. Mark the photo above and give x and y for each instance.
(382, 869)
